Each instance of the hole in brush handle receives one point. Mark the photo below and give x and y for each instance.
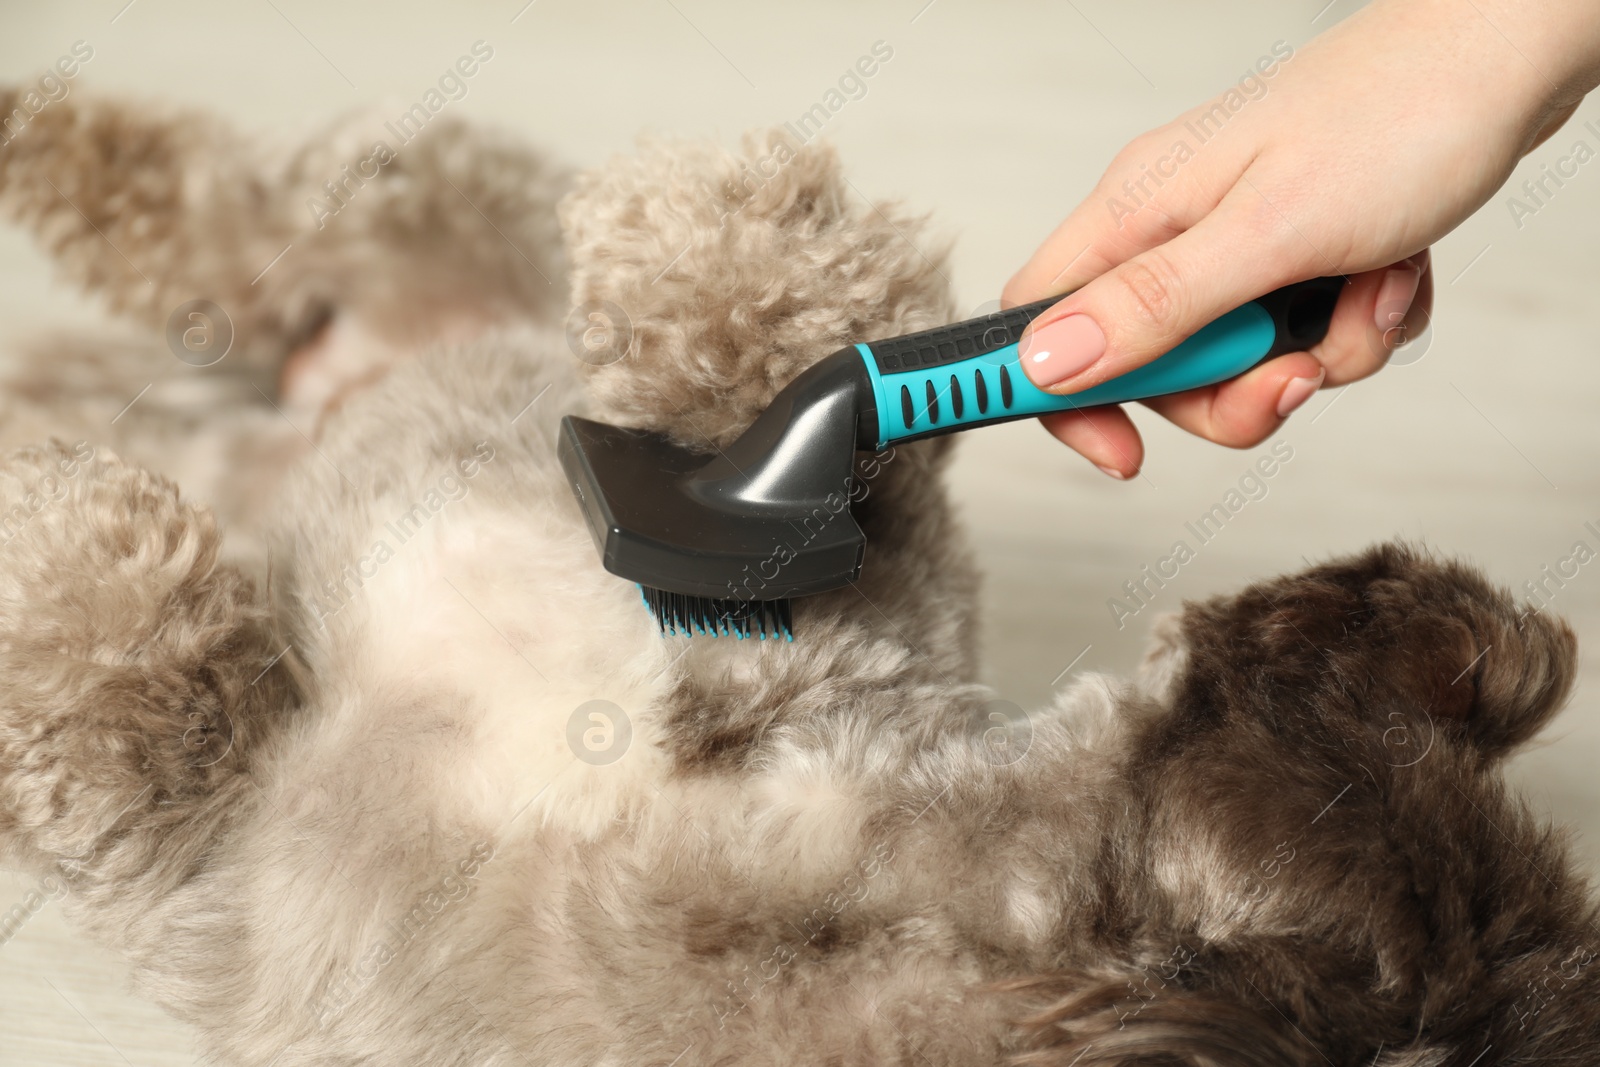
(1301, 313)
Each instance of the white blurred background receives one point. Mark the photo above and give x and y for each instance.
(997, 118)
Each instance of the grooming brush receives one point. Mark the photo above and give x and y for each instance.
(720, 544)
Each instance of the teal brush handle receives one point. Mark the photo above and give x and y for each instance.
(967, 375)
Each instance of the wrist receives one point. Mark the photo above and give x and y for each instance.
(1518, 67)
(1558, 42)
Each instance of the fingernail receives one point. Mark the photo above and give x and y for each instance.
(1297, 392)
(1395, 294)
(1112, 472)
(1060, 349)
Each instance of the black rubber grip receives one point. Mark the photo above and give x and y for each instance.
(958, 341)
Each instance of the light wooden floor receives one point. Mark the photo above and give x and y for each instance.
(996, 118)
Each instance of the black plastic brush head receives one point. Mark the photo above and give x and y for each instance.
(719, 542)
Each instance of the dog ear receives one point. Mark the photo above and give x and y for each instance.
(1392, 627)
(1134, 1019)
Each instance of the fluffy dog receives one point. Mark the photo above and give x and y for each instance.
(431, 789)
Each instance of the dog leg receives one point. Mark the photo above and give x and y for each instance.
(358, 248)
(138, 675)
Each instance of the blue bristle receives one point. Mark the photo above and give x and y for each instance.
(682, 615)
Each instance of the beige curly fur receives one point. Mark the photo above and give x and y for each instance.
(350, 813)
(747, 278)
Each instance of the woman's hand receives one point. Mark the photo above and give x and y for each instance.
(1350, 156)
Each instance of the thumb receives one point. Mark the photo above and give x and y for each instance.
(1147, 305)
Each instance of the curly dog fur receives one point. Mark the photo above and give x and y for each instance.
(346, 810)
